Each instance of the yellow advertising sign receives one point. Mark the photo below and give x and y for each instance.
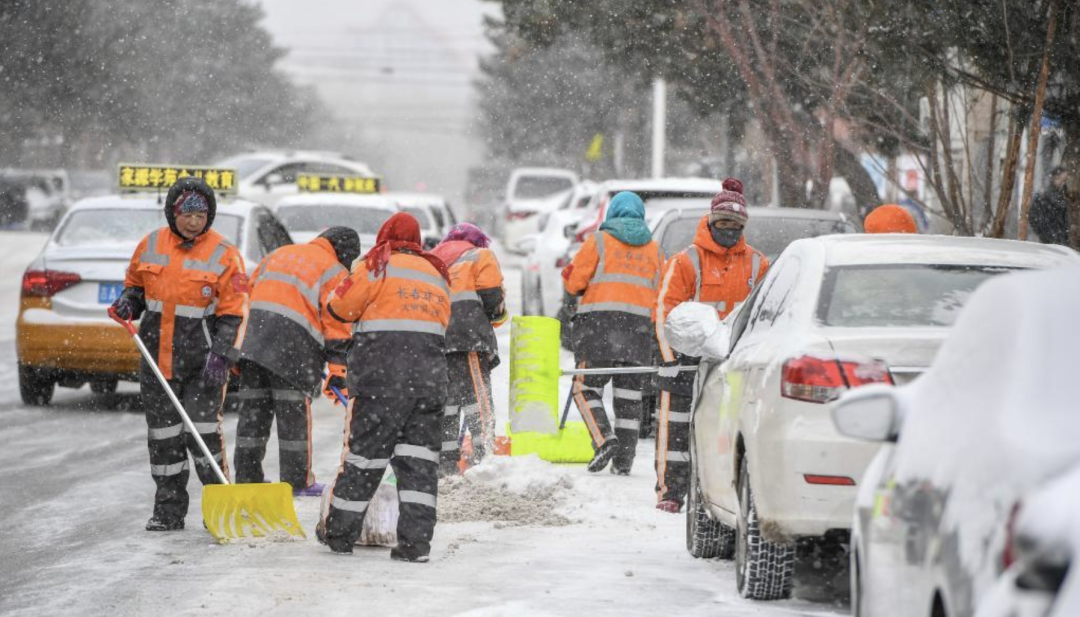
(138, 177)
(596, 148)
(320, 183)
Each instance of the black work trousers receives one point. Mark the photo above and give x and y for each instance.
(169, 441)
(468, 394)
(264, 397)
(626, 389)
(400, 431)
(673, 436)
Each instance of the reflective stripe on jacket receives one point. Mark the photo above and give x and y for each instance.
(290, 332)
(708, 273)
(196, 300)
(619, 283)
(475, 277)
(399, 324)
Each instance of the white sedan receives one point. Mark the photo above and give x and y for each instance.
(770, 473)
(306, 216)
(269, 175)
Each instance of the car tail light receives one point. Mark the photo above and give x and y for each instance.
(519, 215)
(47, 283)
(829, 480)
(821, 380)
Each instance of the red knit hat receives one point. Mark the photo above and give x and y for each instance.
(729, 204)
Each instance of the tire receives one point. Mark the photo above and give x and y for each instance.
(763, 570)
(705, 538)
(36, 387)
(103, 386)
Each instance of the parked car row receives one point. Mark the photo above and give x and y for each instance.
(782, 473)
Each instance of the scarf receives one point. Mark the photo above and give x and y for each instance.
(399, 232)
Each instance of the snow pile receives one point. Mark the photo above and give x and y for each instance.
(509, 490)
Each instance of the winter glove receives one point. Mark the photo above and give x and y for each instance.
(216, 371)
(335, 378)
(130, 304)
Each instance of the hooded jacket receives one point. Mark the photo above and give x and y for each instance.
(709, 273)
(477, 296)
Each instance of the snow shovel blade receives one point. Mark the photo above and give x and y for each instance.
(233, 511)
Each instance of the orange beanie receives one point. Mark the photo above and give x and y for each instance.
(890, 219)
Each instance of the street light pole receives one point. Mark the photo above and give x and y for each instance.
(659, 141)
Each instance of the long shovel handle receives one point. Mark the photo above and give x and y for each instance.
(624, 370)
(337, 393)
(168, 390)
(566, 408)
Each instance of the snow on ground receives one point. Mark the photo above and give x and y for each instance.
(518, 536)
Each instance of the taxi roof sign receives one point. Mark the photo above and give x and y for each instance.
(139, 177)
(324, 183)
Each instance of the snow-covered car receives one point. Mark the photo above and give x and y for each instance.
(267, 176)
(546, 253)
(531, 192)
(307, 216)
(63, 335)
(991, 422)
(36, 197)
(1042, 546)
(772, 480)
(445, 218)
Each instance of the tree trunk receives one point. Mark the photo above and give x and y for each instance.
(848, 166)
(1008, 176)
(1036, 122)
(1071, 162)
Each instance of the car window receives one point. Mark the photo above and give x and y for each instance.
(770, 235)
(898, 295)
(329, 169)
(287, 172)
(315, 217)
(421, 214)
(272, 235)
(535, 187)
(776, 299)
(450, 216)
(125, 226)
(742, 318)
(440, 222)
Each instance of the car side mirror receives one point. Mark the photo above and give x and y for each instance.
(870, 413)
(272, 179)
(694, 329)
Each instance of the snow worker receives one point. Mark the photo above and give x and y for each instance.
(616, 273)
(890, 219)
(477, 299)
(188, 285)
(719, 269)
(398, 299)
(290, 336)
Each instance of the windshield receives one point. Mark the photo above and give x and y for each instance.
(93, 228)
(421, 215)
(318, 218)
(535, 187)
(245, 166)
(898, 295)
(770, 235)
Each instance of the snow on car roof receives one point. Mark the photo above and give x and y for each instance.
(705, 185)
(427, 198)
(142, 201)
(380, 201)
(855, 249)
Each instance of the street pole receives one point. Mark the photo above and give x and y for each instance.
(658, 134)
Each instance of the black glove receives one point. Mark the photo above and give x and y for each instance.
(216, 371)
(130, 304)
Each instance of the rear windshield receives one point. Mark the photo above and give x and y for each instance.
(769, 235)
(898, 295)
(535, 187)
(119, 226)
(421, 215)
(318, 218)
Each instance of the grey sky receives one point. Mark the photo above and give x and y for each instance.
(398, 74)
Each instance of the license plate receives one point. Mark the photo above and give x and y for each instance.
(109, 292)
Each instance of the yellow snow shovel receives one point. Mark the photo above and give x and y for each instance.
(231, 510)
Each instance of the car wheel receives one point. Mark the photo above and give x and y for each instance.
(35, 386)
(705, 538)
(103, 386)
(764, 570)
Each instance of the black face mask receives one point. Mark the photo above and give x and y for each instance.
(726, 238)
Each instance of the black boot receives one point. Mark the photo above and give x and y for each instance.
(160, 524)
(603, 455)
(398, 554)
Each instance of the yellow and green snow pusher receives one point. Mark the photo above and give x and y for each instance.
(231, 511)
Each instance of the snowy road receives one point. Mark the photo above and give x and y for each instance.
(75, 493)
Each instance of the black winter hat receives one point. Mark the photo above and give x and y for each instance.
(176, 192)
(346, 243)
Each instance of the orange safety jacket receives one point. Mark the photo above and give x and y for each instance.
(196, 297)
(290, 332)
(399, 326)
(619, 283)
(708, 273)
(476, 296)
